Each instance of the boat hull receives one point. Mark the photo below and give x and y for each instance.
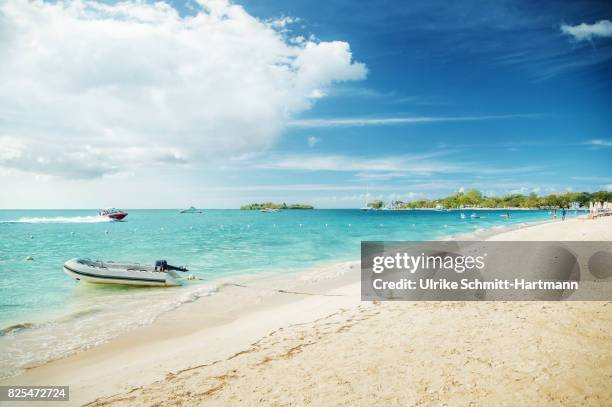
(117, 216)
(97, 275)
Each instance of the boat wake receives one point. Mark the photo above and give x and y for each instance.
(62, 219)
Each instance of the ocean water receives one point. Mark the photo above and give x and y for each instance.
(44, 314)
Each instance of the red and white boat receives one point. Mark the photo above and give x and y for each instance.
(114, 214)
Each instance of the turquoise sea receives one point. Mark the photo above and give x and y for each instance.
(44, 314)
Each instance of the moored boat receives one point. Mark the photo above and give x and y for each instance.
(191, 209)
(269, 210)
(108, 272)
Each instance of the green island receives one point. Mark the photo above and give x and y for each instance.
(272, 205)
(475, 199)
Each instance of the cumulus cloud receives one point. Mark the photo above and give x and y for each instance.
(90, 88)
(586, 32)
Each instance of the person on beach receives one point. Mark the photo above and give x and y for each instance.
(563, 213)
(555, 214)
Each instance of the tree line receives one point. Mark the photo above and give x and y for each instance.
(474, 198)
(272, 205)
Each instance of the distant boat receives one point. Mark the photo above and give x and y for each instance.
(112, 213)
(462, 215)
(191, 209)
(99, 272)
(474, 216)
(268, 210)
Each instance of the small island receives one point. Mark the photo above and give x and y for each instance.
(272, 205)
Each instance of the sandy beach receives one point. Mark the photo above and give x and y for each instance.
(307, 339)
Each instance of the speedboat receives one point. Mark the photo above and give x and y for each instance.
(108, 272)
(474, 216)
(112, 213)
(191, 209)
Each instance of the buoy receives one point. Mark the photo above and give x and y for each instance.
(190, 227)
(106, 232)
(326, 225)
(29, 258)
(31, 236)
(300, 225)
(71, 233)
(349, 225)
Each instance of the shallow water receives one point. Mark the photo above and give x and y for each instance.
(44, 314)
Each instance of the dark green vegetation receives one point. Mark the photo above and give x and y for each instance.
(272, 205)
(474, 198)
(377, 204)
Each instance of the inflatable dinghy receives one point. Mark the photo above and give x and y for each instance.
(108, 272)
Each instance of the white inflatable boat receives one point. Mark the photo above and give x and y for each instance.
(108, 272)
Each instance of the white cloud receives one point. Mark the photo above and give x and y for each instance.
(586, 32)
(313, 141)
(283, 21)
(90, 88)
(364, 167)
(601, 143)
(385, 167)
(381, 121)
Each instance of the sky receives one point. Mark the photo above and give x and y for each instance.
(215, 104)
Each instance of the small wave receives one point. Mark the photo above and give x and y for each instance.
(79, 314)
(16, 328)
(62, 219)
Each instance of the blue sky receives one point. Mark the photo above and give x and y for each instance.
(437, 97)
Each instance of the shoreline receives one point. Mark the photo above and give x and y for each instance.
(217, 329)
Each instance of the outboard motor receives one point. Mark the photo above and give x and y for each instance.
(162, 265)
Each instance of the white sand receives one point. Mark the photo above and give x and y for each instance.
(255, 346)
